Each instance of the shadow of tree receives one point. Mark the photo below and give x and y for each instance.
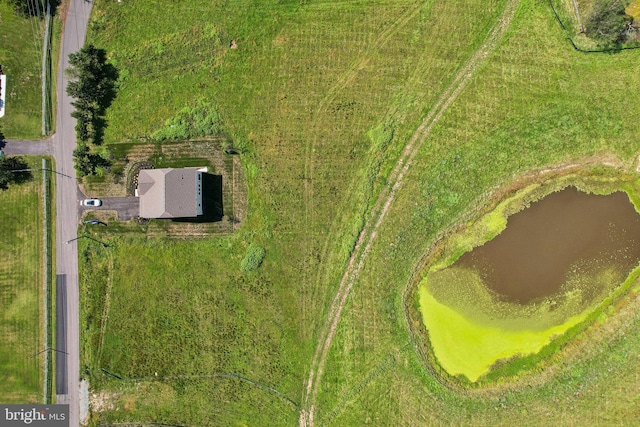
(13, 170)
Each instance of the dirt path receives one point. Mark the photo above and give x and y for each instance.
(309, 169)
(386, 198)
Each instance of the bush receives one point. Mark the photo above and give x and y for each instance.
(253, 259)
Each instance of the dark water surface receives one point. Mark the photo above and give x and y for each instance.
(530, 259)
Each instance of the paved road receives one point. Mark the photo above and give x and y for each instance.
(75, 28)
(61, 334)
(31, 148)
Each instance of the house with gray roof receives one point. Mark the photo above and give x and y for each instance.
(170, 193)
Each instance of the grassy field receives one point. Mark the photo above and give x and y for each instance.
(21, 292)
(21, 60)
(304, 88)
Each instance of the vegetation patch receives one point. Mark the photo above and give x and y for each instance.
(464, 347)
(253, 259)
(634, 10)
(193, 122)
(609, 24)
(187, 340)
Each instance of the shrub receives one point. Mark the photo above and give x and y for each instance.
(608, 22)
(253, 259)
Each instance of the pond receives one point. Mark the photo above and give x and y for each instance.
(543, 274)
(533, 256)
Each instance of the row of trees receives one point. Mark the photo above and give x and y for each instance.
(93, 86)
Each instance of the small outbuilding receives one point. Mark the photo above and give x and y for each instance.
(170, 193)
(3, 92)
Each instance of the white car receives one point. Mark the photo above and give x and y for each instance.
(91, 202)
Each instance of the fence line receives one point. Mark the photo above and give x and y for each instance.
(190, 377)
(45, 71)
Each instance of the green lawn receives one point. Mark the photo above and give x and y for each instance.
(21, 291)
(303, 88)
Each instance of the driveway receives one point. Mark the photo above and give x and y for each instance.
(12, 147)
(126, 207)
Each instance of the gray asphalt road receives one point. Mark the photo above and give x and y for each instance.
(33, 148)
(61, 335)
(75, 28)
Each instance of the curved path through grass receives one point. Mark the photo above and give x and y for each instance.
(384, 201)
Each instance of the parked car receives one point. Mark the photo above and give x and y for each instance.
(94, 222)
(91, 202)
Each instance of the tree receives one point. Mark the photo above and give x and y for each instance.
(82, 160)
(8, 166)
(87, 162)
(608, 23)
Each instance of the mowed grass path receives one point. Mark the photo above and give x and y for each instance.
(303, 88)
(20, 57)
(21, 292)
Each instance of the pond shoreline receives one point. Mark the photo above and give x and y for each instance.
(601, 175)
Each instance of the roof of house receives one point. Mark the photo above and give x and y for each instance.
(168, 193)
